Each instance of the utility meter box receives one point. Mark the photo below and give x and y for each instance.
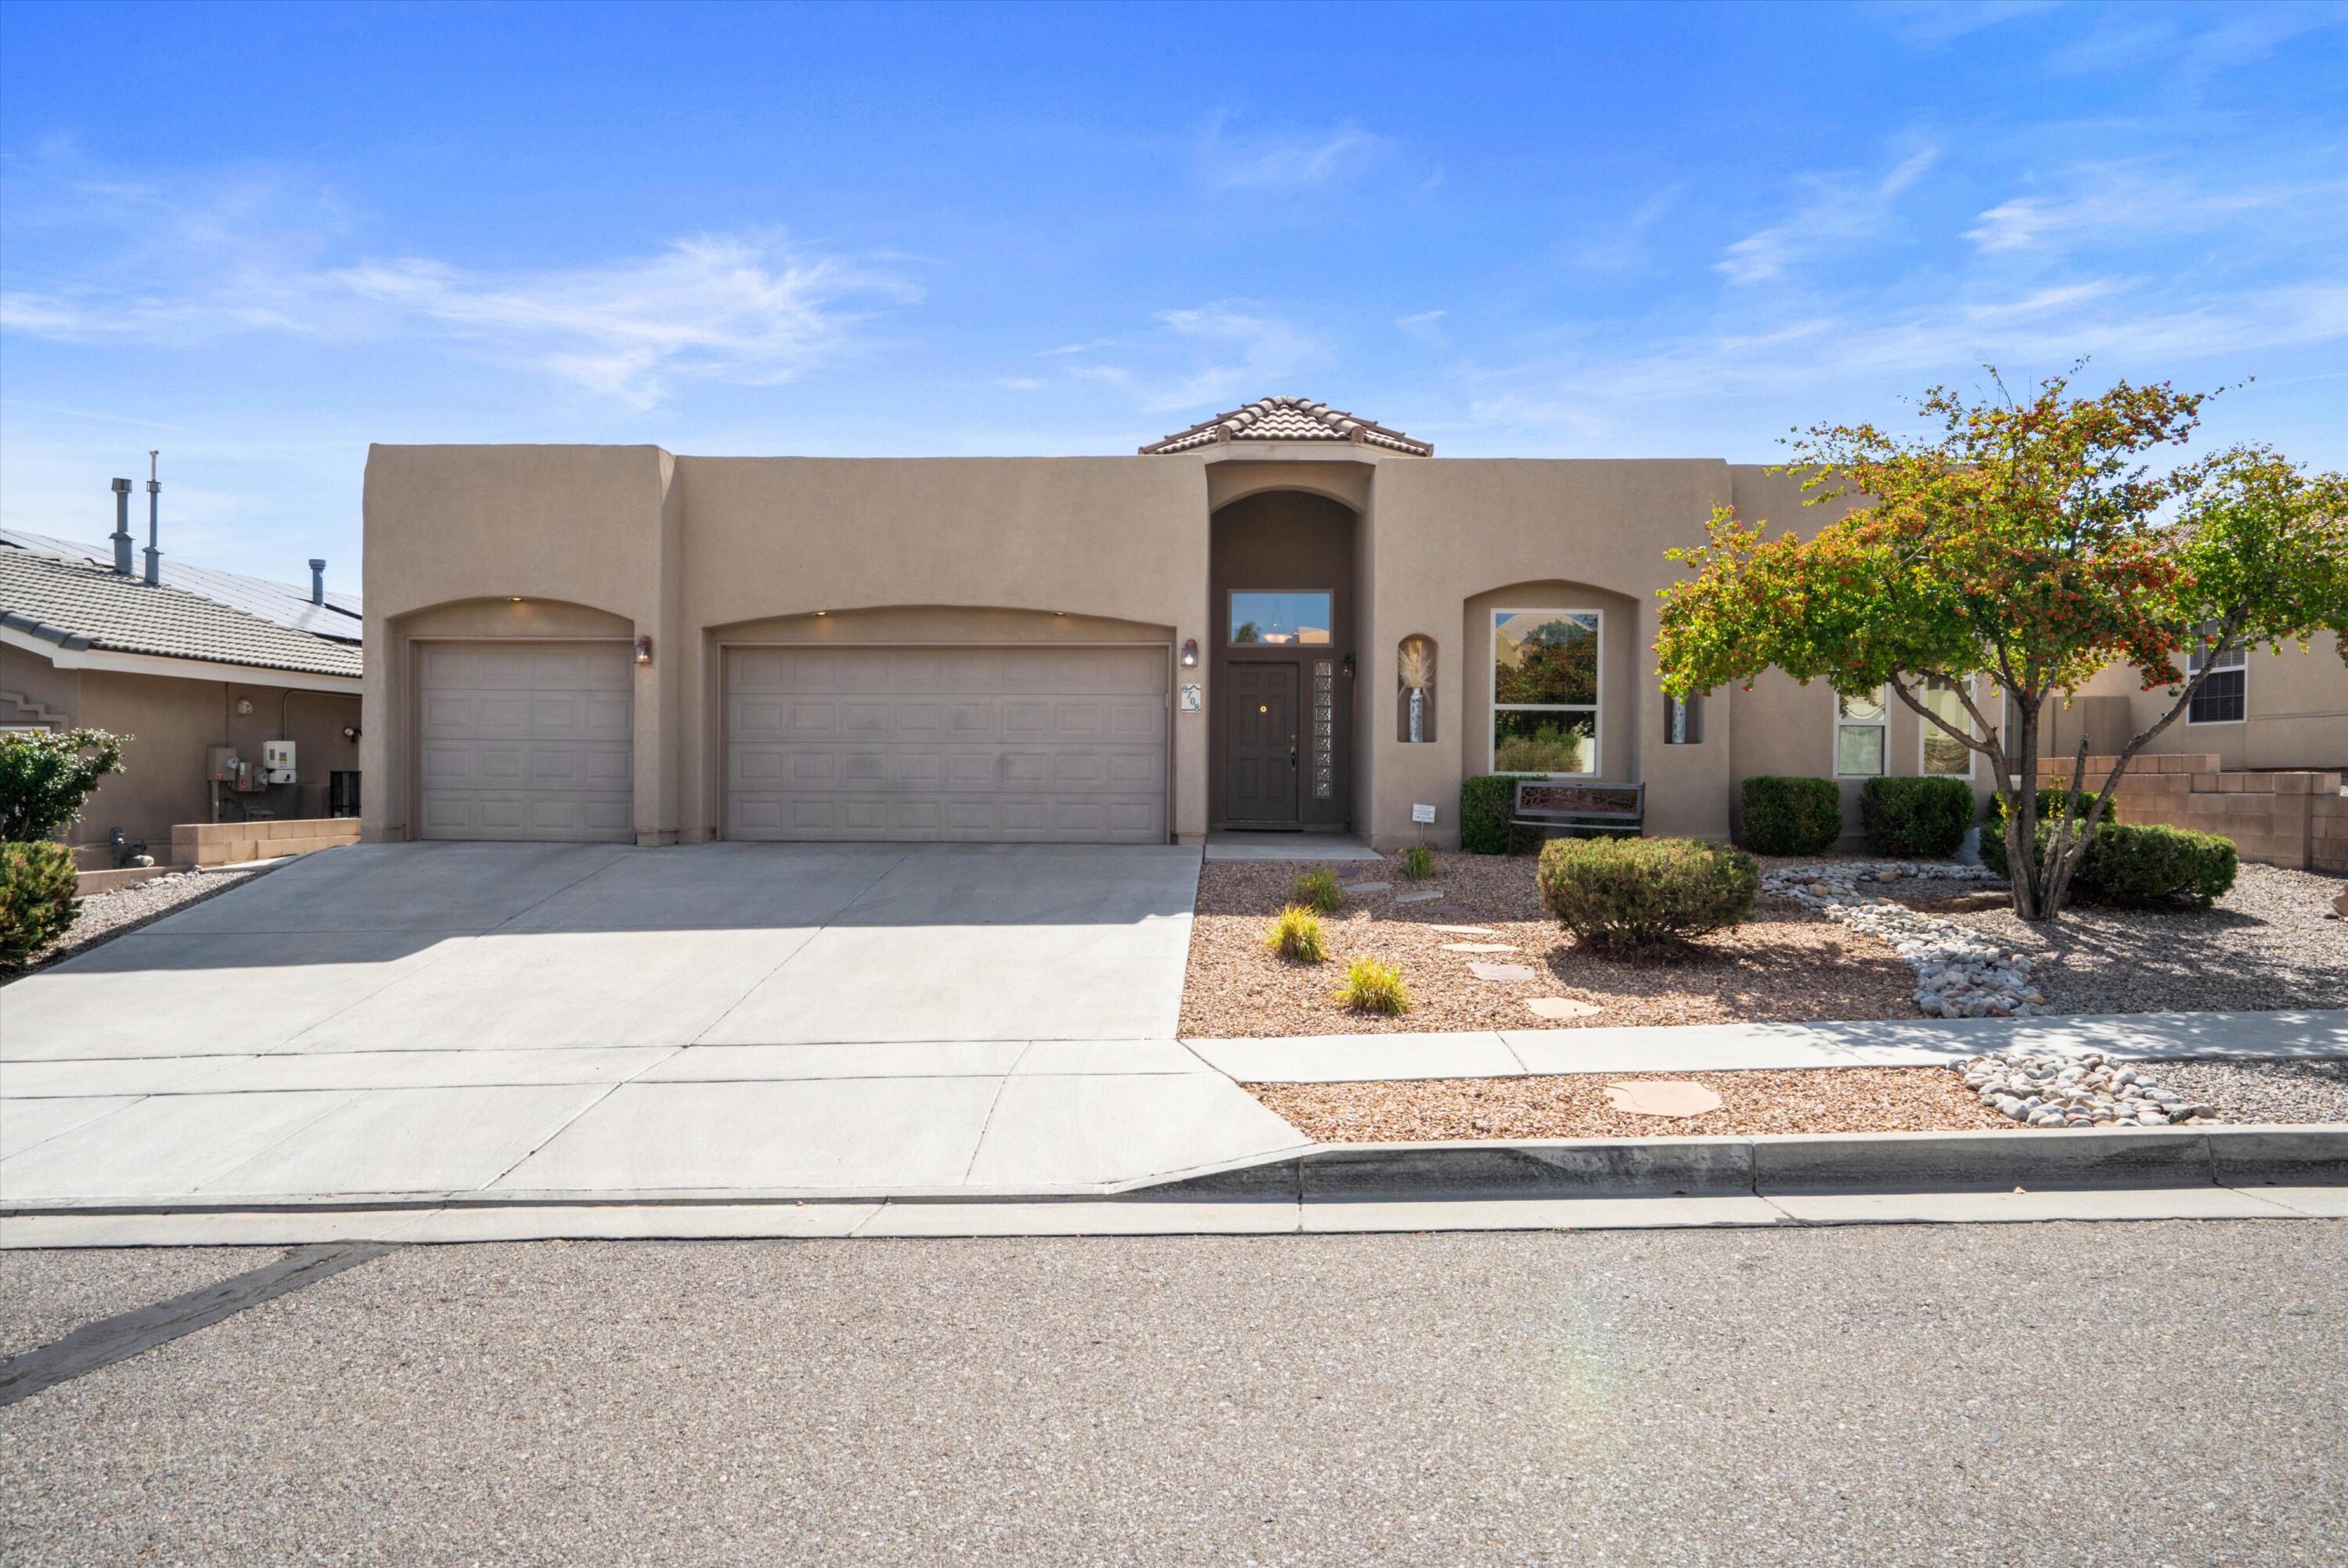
(220, 763)
(277, 761)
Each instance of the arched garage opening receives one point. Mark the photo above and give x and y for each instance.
(950, 724)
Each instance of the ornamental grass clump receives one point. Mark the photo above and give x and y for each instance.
(1419, 862)
(1295, 934)
(1649, 897)
(1375, 988)
(1318, 889)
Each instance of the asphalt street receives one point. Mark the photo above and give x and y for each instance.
(2163, 1393)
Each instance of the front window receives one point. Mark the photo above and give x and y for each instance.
(1858, 733)
(1945, 756)
(1260, 618)
(1545, 691)
(2224, 697)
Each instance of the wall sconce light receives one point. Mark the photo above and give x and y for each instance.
(350, 733)
(1349, 667)
(645, 648)
(821, 613)
(513, 599)
(1190, 653)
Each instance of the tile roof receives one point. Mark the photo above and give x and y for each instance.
(80, 604)
(282, 602)
(1289, 419)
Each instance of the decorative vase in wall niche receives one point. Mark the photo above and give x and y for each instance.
(1415, 673)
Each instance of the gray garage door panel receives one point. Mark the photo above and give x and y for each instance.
(527, 741)
(983, 744)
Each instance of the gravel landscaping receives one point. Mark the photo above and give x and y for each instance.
(2247, 1091)
(106, 915)
(2271, 943)
(1787, 964)
(1576, 1105)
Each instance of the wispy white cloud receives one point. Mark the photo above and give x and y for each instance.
(2154, 35)
(1426, 325)
(257, 254)
(1234, 158)
(1215, 353)
(1610, 245)
(1835, 209)
(2114, 201)
(1936, 23)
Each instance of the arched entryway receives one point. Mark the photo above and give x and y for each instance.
(1284, 620)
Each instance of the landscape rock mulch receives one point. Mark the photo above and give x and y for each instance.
(2048, 1089)
(1576, 1105)
(1959, 973)
(2261, 1091)
(2270, 944)
(102, 916)
(1787, 964)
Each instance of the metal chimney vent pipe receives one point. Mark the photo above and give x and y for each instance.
(317, 580)
(154, 556)
(122, 526)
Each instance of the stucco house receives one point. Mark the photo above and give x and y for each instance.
(1284, 618)
(191, 663)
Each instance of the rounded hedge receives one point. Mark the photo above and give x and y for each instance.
(1646, 896)
(36, 897)
(1791, 815)
(1915, 816)
(2050, 805)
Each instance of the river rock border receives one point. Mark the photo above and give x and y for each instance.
(1959, 973)
(2044, 1089)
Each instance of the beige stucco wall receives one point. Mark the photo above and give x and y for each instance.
(173, 723)
(702, 552)
(2296, 702)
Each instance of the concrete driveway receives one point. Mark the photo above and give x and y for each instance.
(428, 1021)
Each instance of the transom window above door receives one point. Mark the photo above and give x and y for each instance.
(1260, 617)
(1545, 684)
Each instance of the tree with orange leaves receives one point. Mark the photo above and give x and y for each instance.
(2030, 542)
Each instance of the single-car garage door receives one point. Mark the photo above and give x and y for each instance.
(982, 744)
(526, 740)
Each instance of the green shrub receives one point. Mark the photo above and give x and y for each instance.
(2154, 865)
(1646, 896)
(2050, 802)
(1318, 889)
(1372, 986)
(45, 778)
(1922, 816)
(1418, 862)
(1486, 803)
(36, 897)
(1295, 934)
(1790, 815)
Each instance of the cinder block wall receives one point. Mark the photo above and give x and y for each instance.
(2295, 819)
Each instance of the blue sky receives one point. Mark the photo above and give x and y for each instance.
(260, 237)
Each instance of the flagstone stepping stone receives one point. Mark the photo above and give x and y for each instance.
(1663, 1097)
(1501, 971)
(1487, 930)
(1421, 895)
(1561, 1007)
(1369, 887)
(1479, 948)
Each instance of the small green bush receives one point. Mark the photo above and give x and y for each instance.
(1646, 896)
(1791, 815)
(1295, 934)
(1372, 986)
(1319, 889)
(2151, 865)
(1919, 816)
(1419, 862)
(45, 778)
(1486, 803)
(2050, 805)
(36, 897)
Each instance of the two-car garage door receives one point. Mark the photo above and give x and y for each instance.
(527, 741)
(991, 744)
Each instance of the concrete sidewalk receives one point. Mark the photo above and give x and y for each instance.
(1727, 1047)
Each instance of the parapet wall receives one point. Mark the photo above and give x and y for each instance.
(2295, 819)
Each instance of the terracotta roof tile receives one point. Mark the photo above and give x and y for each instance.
(1289, 419)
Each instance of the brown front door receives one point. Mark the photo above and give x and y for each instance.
(1260, 750)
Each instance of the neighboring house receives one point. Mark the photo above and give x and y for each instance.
(614, 643)
(198, 661)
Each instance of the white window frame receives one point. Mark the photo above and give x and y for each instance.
(2236, 661)
(1494, 707)
(1929, 731)
(1883, 696)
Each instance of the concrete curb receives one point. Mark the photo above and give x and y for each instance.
(1790, 1162)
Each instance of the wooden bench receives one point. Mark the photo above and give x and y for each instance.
(1595, 808)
